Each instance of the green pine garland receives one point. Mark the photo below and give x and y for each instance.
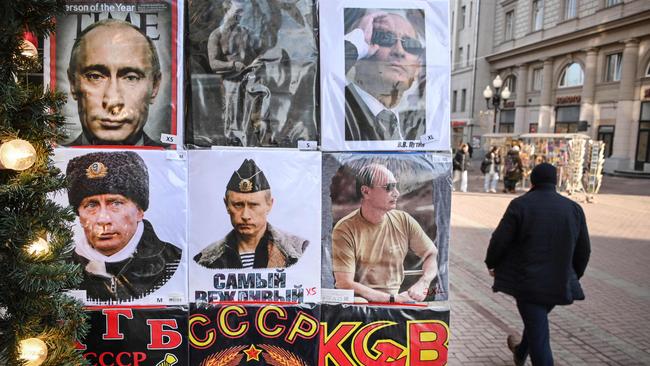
(32, 304)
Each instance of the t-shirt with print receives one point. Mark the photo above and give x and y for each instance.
(375, 252)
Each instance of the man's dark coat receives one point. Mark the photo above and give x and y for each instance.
(152, 264)
(540, 248)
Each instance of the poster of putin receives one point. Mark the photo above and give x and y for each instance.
(254, 225)
(386, 226)
(130, 224)
(385, 78)
(120, 65)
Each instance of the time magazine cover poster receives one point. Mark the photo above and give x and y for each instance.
(385, 77)
(254, 67)
(386, 220)
(121, 65)
(254, 225)
(130, 224)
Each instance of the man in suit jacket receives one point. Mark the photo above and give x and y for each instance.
(387, 55)
(537, 253)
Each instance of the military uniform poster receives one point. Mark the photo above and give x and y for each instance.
(133, 46)
(360, 335)
(233, 334)
(144, 336)
(130, 227)
(385, 79)
(386, 220)
(254, 225)
(253, 67)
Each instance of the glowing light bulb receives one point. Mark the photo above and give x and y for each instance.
(17, 155)
(38, 247)
(33, 351)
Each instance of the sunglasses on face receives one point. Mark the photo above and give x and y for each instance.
(388, 187)
(388, 39)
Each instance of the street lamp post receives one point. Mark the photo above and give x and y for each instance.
(493, 100)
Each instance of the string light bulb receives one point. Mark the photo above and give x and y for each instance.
(17, 154)
(39, 247)
(33, 351)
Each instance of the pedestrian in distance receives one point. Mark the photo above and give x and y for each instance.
(537, 254)
(513, 170)
(460, 165)
(490, 169)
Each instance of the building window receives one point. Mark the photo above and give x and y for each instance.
(572, 75)
(461, 21)
(463, 97)
(532, 127)
(468, 59)
(511, 83)
(453, 100)
(459, 56)
(566, 119)
(538, 14)
(613, 67)
(510, 24)
(469, 19)
(643, 141)
(537, 79)
(606, 135)
(609, 3)
(570, 9)
(647, 70)
(507, 121)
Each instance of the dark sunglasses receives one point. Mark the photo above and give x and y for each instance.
(388, 39)
(388, 187)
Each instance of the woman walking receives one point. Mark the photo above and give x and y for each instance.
(461, 163)
(490, 169)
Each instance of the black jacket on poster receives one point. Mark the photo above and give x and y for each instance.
(152, 264)
(540, 248)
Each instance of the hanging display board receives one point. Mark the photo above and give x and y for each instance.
(253, 67)
(130, 228)
(254, 334)
(144, 336)
(361, 335)
(122, 90)
(385, 77)
(255, 225)
(386, 225)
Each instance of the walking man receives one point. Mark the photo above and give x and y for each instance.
(537, 254)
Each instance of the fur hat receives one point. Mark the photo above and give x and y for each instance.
(119, 172)
(248, 178)
(543, 173)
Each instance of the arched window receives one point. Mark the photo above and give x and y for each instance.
(571, 75)
(647, 70)
(511, 83)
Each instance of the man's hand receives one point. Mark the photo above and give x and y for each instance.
(404, 297)
(366, 24)
(491, 272)
(419, 291)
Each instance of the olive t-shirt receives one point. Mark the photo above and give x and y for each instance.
(375, 252)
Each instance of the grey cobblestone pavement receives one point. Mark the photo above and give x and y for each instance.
(611, 327)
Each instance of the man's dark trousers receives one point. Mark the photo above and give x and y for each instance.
(535, 339)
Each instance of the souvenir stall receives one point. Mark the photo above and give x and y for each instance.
(564, 151)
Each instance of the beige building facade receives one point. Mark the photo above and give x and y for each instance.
(571, 65)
